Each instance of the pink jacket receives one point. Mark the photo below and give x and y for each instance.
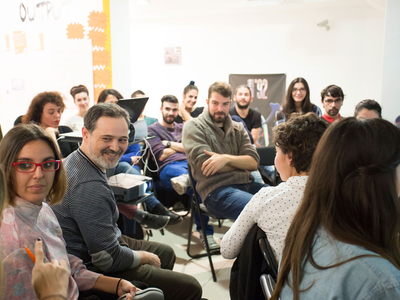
(22, 224)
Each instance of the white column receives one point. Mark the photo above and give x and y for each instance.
(120, 46)
(391, 62)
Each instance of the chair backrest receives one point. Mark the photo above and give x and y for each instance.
(267, 158)
(196, 196)
(267, 155)
(269, 256)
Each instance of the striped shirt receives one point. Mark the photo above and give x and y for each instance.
(88, 215)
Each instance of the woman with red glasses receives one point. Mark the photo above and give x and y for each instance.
(35, 180)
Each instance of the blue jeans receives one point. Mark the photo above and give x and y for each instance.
(228, 201)
(175, 169)
(257, 176)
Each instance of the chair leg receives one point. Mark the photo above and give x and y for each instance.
(190, 234)
(203, 231)
(220, 222)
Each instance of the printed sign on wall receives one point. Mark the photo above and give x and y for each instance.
(268, 92)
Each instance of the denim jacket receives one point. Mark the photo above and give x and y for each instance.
(363, 278)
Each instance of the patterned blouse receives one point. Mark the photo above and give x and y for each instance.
(272, 209)
(22, 224)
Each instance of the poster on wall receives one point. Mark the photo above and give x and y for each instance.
(172, 55)
(268, 92)
(52, 46)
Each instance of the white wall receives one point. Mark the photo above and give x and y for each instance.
(59, 65)
(391, 62)
(349, 55)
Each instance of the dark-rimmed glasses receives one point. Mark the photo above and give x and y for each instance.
(30, 167)
(301, 90)
(330, 101)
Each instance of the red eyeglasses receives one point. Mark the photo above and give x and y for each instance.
(30, 167)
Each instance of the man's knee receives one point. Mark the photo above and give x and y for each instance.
(192, 289)
(166, 255)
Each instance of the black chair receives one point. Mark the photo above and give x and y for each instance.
(268, 280)
(269, 257)
(201, 209)
(248, 267)
(267, 158)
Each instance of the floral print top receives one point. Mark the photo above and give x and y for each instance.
(22, 224)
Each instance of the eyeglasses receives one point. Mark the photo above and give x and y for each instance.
(30, 167)
(301, 90)
(330, 101)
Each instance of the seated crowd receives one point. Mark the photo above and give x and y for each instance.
(333, 221)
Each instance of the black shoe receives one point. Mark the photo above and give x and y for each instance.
(151, 221)
(161, 210)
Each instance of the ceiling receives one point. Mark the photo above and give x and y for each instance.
(187, 9)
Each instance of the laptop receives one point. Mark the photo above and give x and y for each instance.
(134, 106)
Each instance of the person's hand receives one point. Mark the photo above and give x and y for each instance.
(164, 142)
(52, 131)
(134, 159)
(125, 287)
(182, 107)
(49, 278)
(215, 163)
(149, 258)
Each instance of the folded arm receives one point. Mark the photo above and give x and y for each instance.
(219, 163)
(174, 148)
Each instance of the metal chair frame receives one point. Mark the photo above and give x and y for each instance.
(267, 281)
(201, 209)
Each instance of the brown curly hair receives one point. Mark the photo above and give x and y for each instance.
(35, 109)
(300, 136)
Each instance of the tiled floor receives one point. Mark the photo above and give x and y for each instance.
(176, 237)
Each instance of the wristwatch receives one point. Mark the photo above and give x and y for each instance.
(168, 144)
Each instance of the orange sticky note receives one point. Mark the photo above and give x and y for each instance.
(30, 254)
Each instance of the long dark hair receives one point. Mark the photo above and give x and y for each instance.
(288, 106)
(352, 193)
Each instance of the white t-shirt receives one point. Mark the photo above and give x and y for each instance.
(75, 123)
(272, 209)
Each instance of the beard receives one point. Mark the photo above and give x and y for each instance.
(102, 162)
(218, 119)
(168, 120)
(242, 106)
(333, 112)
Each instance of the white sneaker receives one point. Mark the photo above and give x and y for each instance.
(180, 183)
(212, 244)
